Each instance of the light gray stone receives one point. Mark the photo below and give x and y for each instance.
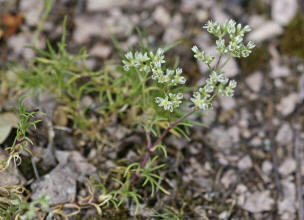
(219, 138)
(59, 185)
(258, 202)
(10, 176)
(245, 163)
(254, 81)
(161, 16)
(267, 167)
(283, 11)
(234, 132)
(174, 30)
(104, 5)
(227, 103)
(288, 203)
(284, 135)
(288, 104)
(301, 87)
(287, 167)
(229, 178)
(278, 70)
(31, 10)
(87, 26)
(265, 31)
(120, 24)
(101, 51)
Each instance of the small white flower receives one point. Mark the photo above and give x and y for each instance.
(180, 95)
(201, 103)
(145, 68)
(245, 53)
(156, 73)
(129, 55)
(182, 80)
(250, 45)
(165, 103)
(215, 77)
(208, 88)
(232, 84)
(163, 78)
(176, 99)
(170, 72)
(141, 57)
(247, 28)
(195, 49)
(178, 71)
(220, 45)
(239, 27)
(160, 52)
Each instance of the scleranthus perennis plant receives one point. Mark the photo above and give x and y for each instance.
(162, 91)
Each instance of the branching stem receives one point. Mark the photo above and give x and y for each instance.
(150, 146)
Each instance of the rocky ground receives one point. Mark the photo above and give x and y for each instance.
(246, 165)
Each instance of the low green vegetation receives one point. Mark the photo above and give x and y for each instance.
(292, 42)
(145, 91)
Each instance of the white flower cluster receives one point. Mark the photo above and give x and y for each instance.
(235, 47)
(170, 101)
(152, 63)
(216, 81)
(201, 55)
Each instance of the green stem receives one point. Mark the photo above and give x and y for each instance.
(218, 62)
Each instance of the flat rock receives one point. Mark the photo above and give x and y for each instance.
(192, 5)
(288, 203)
(120, 24)
(208, 117)
(101, 51)
(245, 163)
(219, 139)
(267, 167)
(59, 185)
(288, 104)
(229, 178)
(18, 44)
(258, 202)
(278, 70)
(254, 81)
(227, 103)
(283, 11)
(284, 135)
(265, 31)
(161, 16)
(301, 87)
(32, 9)
(104, 5)
(174, 31)
(10, 176)
(87, 26)
(255, 21)
(287, 167)
(234, 133)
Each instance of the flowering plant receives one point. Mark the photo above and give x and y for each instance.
(164, 87)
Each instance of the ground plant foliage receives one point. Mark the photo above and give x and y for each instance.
(151, 109)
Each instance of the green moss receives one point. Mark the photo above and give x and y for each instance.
(292, 42)
(257, 60)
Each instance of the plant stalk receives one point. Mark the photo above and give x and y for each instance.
(150, 146)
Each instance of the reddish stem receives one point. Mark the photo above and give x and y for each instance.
(150, 147)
